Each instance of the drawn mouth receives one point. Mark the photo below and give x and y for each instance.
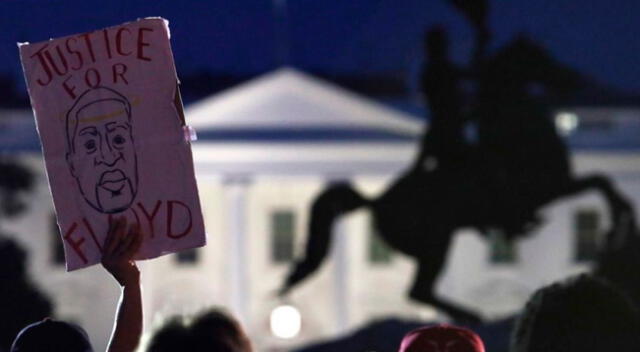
(113, 181)
(113, 187)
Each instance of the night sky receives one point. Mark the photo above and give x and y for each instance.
(361, 37)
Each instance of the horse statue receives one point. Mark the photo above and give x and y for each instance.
(517, 165)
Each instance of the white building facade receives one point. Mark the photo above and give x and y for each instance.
(265, 150)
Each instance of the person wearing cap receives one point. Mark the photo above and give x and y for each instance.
(50, 335)
(441, 338)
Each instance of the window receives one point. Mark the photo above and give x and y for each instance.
(586, 233)
(379, 251)
(57, 247)
(503, 250)
(187, 256)
(282, 236)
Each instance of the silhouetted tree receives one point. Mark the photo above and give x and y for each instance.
(21, 303)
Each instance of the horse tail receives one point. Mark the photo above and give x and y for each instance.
(335, 201)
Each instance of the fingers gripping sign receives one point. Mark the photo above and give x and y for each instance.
(122, 243)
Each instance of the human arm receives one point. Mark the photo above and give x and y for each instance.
(121, 245)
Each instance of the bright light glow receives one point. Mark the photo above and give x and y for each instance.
(427, 313)
(566, 122)
(285, 322)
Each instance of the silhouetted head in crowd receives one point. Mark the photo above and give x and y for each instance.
(52, 336)
(441, 338)
(215, 328)
(172, 336)
(212, 330)
(581, 314)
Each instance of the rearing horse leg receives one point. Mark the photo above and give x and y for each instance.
(336, 200)
(430, 264)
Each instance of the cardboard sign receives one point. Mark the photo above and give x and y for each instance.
(110, 121)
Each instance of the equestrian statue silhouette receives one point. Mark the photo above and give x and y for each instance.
(516, 164)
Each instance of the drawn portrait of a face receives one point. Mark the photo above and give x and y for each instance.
(100, 149)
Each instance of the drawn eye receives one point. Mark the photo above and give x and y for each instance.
(90, 145)
(118, 140)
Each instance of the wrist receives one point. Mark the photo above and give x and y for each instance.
(131, 285)
(131, 280)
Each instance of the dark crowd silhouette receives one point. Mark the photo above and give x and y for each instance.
(490, 160)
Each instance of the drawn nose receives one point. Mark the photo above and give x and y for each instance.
(108, 155)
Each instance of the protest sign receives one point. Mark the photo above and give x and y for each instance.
(110, 120)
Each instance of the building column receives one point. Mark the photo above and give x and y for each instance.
(235, 188)
(340, 255)
(341, 269)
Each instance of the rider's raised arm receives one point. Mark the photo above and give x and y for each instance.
(475, 11)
